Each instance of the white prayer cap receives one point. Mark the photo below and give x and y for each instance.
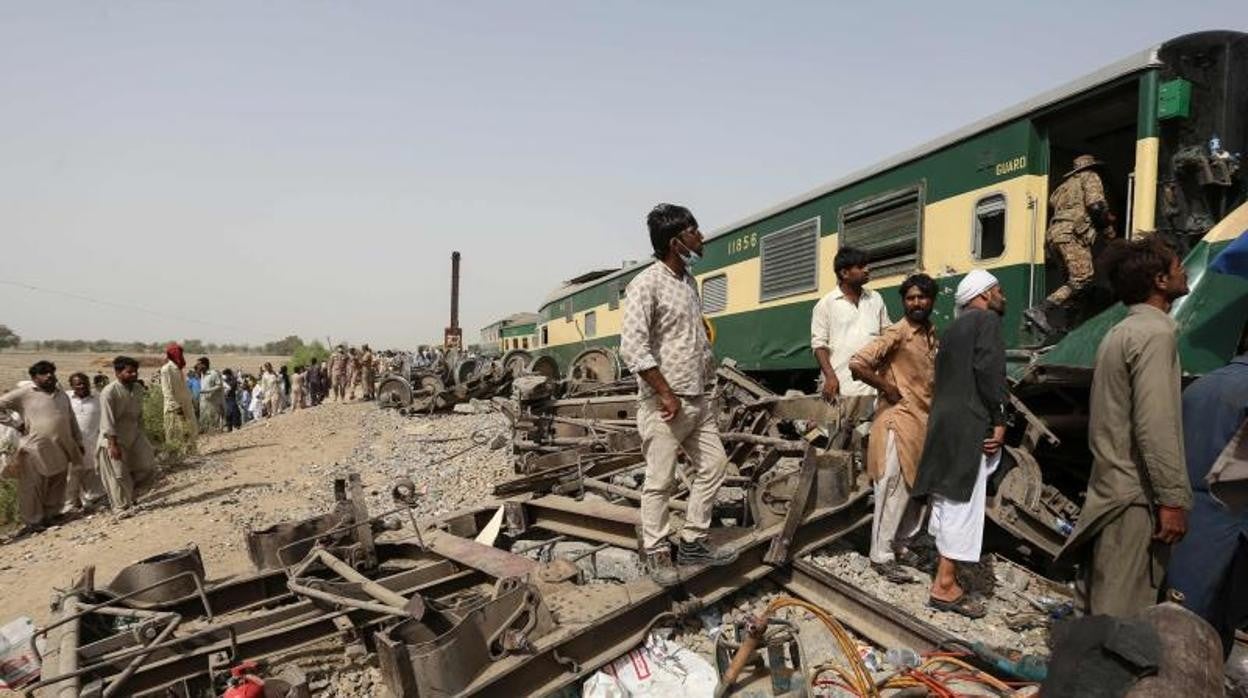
(974, 284)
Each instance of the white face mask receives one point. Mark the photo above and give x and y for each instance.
(689, 257)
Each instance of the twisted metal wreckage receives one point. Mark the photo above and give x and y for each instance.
(475, 603)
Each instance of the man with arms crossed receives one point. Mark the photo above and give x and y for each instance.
(901, 365)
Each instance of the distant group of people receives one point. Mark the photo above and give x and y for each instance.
(199, 398)
(939, 425)
(81, 451)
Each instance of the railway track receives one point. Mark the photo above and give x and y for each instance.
(873, 618)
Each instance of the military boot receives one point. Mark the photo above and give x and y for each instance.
(700, 552)
(1039, 317)
(659, 566)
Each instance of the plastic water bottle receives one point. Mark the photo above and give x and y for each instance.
(903, 658)
(1065, 526)
(1215, 145)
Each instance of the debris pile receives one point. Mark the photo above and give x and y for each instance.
(451, 380)
(406, 579)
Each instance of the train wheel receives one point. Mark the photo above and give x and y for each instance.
(516, 361)
(466, 370)
(394, 392)
(596, 365)
(545, 366)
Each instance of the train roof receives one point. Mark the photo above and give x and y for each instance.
(1135, 63)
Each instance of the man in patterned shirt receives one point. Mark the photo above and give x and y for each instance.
(664, 342)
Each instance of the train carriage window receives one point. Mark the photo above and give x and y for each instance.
(545, 335)
(591, 324)
(790, 260)
(988, 237)
(888, 227)
(525, 342)
(567, 310)
(715, 294)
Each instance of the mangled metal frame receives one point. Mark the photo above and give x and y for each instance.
(457, 606)
(457, 617)
(473, 603)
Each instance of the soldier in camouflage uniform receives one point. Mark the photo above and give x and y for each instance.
(1079, 212)
(338, 364)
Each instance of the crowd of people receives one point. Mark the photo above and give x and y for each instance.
(199, 398)
(79, 452)
(938, 409)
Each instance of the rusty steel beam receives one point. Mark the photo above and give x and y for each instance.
(596, 485)
(492, 561)
(595, 521)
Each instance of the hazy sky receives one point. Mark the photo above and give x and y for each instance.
(239, 171)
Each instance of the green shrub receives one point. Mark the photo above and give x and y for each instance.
(303, 355)
(8, 501)
(154, 428)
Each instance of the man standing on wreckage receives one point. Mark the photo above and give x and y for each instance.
(965, 434)
(664, 342)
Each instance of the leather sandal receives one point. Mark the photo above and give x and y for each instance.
(965, 605)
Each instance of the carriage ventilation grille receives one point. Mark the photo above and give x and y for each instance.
(715, 294)
(790, 260)
(887, 227)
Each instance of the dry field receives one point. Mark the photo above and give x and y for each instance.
(14, 364)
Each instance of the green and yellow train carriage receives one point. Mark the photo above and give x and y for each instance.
(518, 337)
(976, 198)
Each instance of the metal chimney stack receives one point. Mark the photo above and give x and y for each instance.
(453, 338)
(454, 290)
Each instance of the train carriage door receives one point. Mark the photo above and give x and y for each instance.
(1102, 123)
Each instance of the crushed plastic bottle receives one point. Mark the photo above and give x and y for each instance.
(871, 658)
(903, 658)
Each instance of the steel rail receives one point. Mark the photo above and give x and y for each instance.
(588, 646)
(880, 622)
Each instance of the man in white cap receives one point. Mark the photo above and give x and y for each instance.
(965, 434)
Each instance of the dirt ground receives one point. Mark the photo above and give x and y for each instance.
(249, 477)
(14, 364)
(269, 471)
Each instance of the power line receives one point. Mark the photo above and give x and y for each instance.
(130, 306)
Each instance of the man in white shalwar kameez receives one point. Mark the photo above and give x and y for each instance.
(82, 486)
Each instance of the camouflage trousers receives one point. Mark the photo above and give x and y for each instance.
(1076, 256)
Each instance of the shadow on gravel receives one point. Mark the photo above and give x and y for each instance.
(165, 503)
(187, 463)
(236, 449)
(163, 489)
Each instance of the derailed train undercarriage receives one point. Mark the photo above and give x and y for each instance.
(474, 603)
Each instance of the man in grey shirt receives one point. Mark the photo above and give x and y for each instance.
(664, 342)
